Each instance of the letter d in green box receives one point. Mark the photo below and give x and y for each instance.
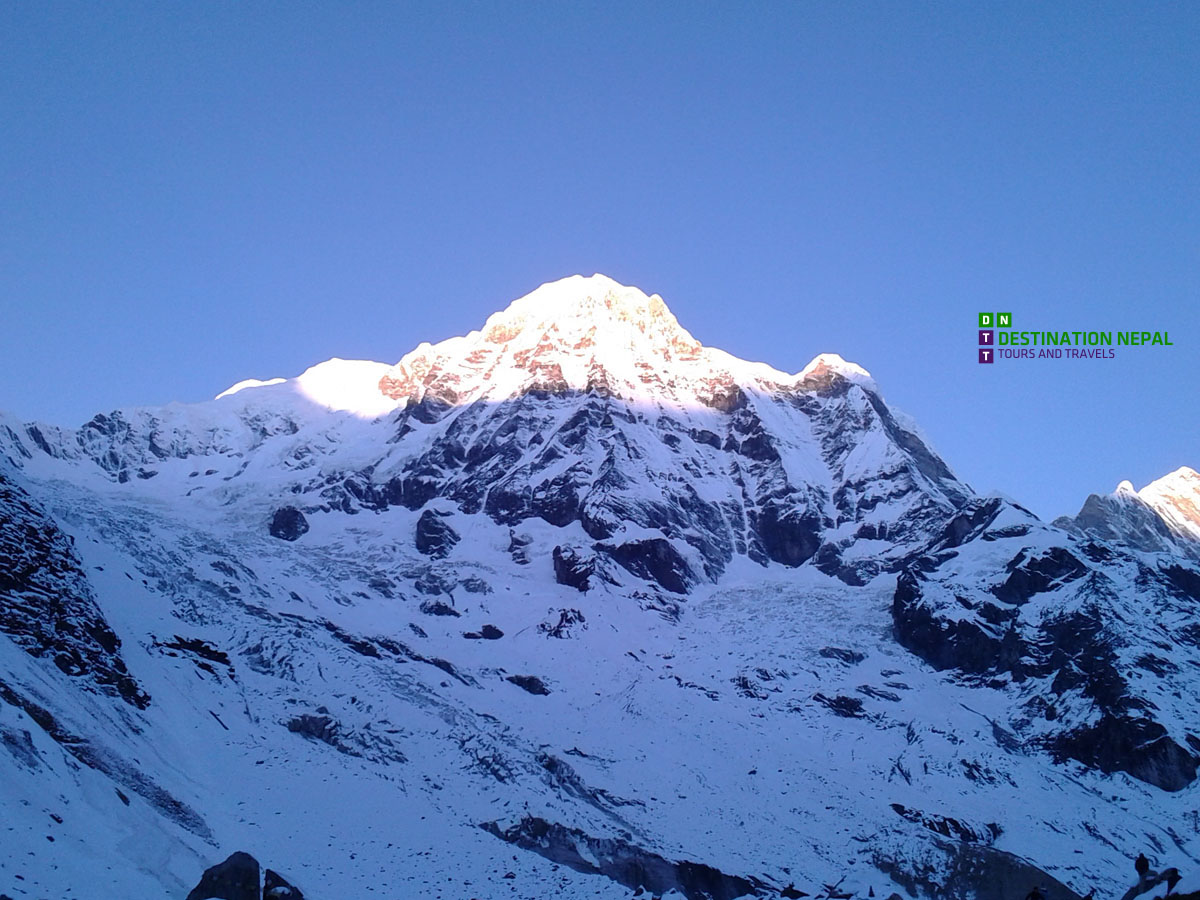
(986, 320)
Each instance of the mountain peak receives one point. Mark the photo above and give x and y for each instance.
(593, 334)
(595, 309)
(584, 294)
(1183, 480)
(580, 333)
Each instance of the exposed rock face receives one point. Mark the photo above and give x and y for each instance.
(237, 878)
(288, 524)
(438, 608)
(47, 606)
(970, 869)
(1128, 742)
(322, 728)
(564, 625)
(435, 536)
(848, 707)
(788, 536)
(572, 568)
(1121, 517)
(1034, 575)
(1077, 624)
(276, 887)
(1163, 517)
(948, 826)
(656, 560)
(625, 863)
(552, 423)
(530, 683)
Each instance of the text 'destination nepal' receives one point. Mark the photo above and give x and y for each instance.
(998, 340)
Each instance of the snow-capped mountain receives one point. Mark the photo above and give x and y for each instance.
(575, 604)
(1163, 517)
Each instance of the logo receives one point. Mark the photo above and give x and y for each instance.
(997, 340)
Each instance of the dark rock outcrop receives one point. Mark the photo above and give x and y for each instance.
(486, 633)
(568, 621)
(971, 870)
(1133, 744)
(237, 878)
(625, 863)
(530, 683)
(572, 568)
(276, 887)
(789, 536)
(948, 826)
(518, 547)
(47, 606)
(849, 657)
(321, 728)
(656, 559)
(847, 707)
(288, 524)
(963, 644)
(438, 608)
(435, 536)
(1030, 576)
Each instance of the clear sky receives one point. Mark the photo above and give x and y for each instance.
(194, 194)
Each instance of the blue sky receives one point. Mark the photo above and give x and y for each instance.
(194, 194)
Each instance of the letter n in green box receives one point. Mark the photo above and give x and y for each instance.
(987, 320)
(1004, 320)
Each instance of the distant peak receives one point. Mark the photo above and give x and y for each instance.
(579, 302)
(1125, 487)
